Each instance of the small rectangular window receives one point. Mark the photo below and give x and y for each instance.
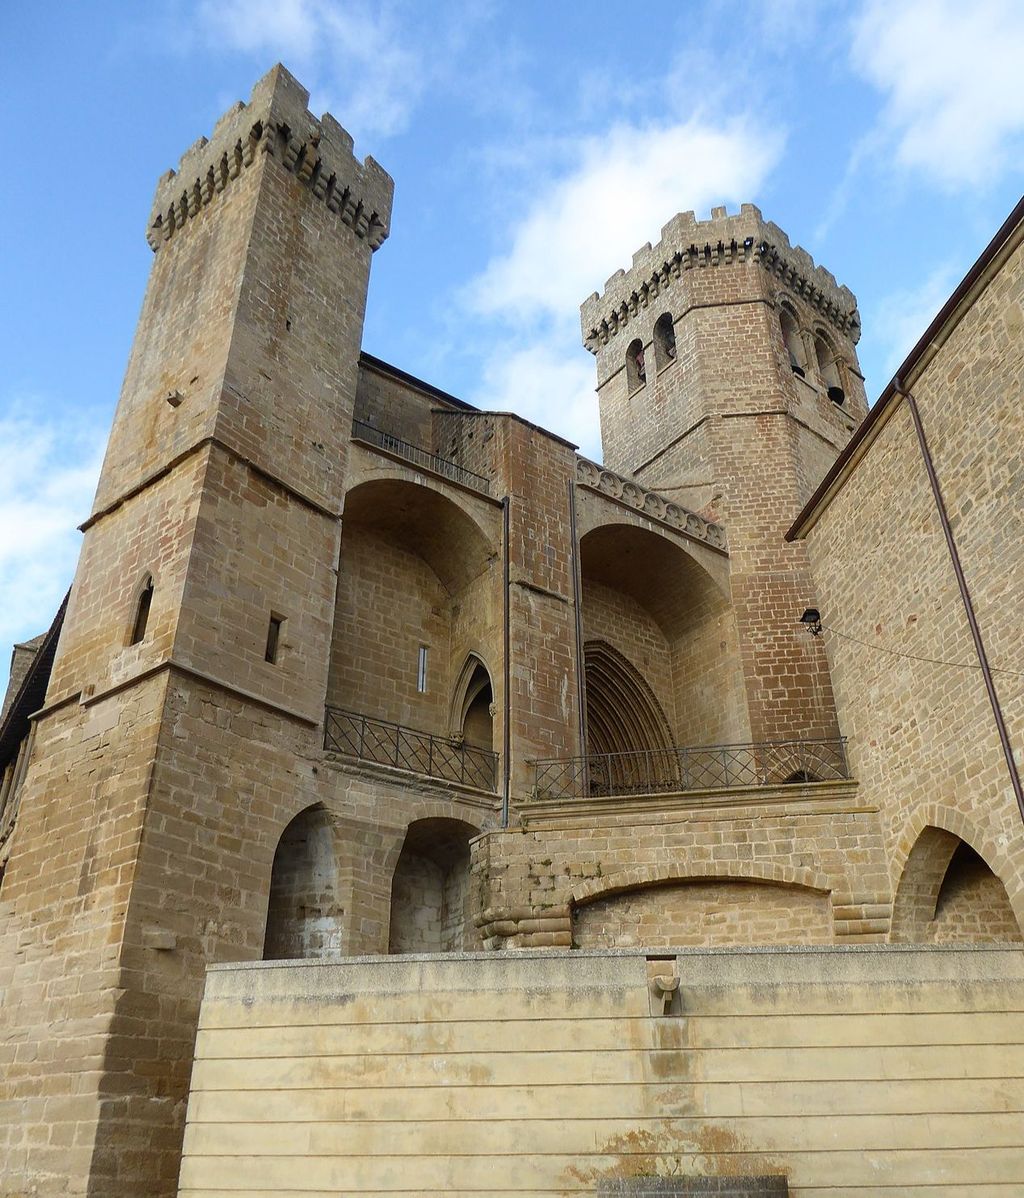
(421, 670)
(274, 638)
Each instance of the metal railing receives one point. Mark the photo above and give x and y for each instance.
(709, 767)
(369, 739)
(419, 456)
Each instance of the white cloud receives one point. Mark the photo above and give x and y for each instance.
(46, 490)
(358, 60)
(548, 384)
(580, 227)
(902, 316)
(624, 186)
(951, 75)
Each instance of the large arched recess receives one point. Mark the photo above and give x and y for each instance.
(948, 894)
(430, 894)
(411, 561)
(304, 911)
(653, 603)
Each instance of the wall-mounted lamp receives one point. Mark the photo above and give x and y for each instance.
(811, 619)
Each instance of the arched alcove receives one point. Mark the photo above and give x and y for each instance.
(430, 899)
(948, 894)
(304, 914)
(662, 613)
(794, 341)
(828, 368)
(472, 714)
(664, 341)
(636, 366)
(409, 558)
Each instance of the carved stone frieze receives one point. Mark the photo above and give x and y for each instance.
(650, 503)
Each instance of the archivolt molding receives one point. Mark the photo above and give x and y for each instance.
(640, 878)
(949, 819)
(650, 503)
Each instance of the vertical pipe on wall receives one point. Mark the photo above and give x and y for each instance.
(577, 601)
(965, 595)
(506, 523)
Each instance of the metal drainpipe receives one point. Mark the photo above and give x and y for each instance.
(507, 665)
(965, 595)
(577, 598)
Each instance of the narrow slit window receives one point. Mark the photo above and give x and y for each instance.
(274, 638)
(421, 670)
(142, 613)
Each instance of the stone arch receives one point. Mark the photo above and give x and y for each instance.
(142, 603)
(636, 366)
(664, 341)
(659, 608)
(829, 367)
(712, 903)
(793, 339)
(639, 877)
(472, 715)
(430, 892)
(931, 840)
(411, 559)
(304, 911)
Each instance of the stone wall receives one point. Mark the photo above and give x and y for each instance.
(560, 1074)
(807, 840)
(911, 697)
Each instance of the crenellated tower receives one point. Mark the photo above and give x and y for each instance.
(728, 382)
(188, 688)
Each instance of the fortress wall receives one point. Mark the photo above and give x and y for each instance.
(819, 837)
(876, 1070)
(923, 741)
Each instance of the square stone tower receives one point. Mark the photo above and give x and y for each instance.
(192, 667)
(728, 382)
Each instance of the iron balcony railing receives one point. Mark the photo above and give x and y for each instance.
(369, 739)
(709, 767)
(420, 457)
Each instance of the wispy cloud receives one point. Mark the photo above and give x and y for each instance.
(359, 60)
(902, 316)
(581, 225)
(46, 489)
(950, 74)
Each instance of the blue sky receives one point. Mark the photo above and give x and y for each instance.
(534, 146)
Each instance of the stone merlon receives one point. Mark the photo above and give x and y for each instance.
(276, 121)
(687, 243)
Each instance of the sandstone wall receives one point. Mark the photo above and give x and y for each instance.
(553, 1073)
(922, 737)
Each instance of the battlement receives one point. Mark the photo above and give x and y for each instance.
(687, 244)
(276, 121)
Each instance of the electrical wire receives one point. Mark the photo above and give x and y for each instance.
(935, 661)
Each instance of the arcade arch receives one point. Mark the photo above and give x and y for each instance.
(430, 896)
(414, 566)
(304, 913)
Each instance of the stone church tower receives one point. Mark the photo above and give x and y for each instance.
(351, 669)
(728, 381)
(195, 648)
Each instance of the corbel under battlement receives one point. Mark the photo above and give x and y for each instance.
(276, 121)
(689, 244)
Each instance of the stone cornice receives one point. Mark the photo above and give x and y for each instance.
(688, 244)
(649, 503)
(276, 122)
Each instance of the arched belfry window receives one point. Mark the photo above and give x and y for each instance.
(828, 369)
(636, 370)
(142, 606)
(664, 341)
(794, 342)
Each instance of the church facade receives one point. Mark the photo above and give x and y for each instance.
(351, 669)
